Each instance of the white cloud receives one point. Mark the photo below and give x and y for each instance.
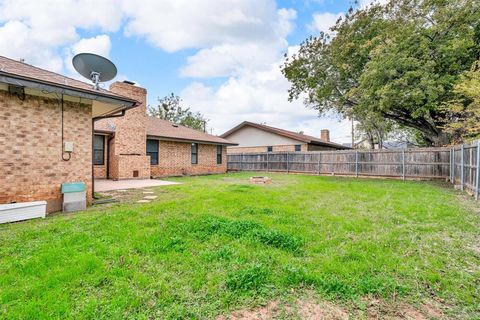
(100, 45)
(235, 57)
(322, 22)
(258, 97)
(173, 25)
(38, 30)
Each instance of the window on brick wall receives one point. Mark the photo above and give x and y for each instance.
(269, 149)
(219, 154)
(194, 153)
(298, 147)
(98, 149)
(152, 151)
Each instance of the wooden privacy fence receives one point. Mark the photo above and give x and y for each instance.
(458, 164)
(465, 167)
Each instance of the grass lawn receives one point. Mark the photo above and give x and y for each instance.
(216, 244)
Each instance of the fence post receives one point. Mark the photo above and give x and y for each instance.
(333, 162)
(267, 160)
(356, 163)
(462, 175)
(318, 166)
(288, 162)
(450, 165)
(477, 178)
(471, 163)
(304, 162)
(453, 165)
(403, 164)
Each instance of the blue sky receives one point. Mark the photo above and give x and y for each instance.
(221, 56)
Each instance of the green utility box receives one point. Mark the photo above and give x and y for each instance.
(74, 196)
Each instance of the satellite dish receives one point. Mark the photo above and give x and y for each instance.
(94, 67)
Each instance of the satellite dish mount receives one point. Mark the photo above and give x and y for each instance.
(94, 67)
(95, 77)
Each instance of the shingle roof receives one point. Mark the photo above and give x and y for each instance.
(286, 133)
(26, 71)
(165, 129)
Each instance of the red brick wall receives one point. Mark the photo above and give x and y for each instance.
(125, 165)
(174, 158)
(31, 165)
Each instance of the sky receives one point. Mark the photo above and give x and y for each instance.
(222, 57)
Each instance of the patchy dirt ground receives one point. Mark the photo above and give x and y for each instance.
(310, 309)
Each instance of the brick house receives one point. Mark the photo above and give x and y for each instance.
(253, 137)
(40, 113)
(141, 146)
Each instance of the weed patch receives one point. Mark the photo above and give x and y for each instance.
(252, 277)
(246, 229)
(219, 254)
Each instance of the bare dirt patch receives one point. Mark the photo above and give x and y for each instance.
(309, 309)
(322, 310)
(380, 309)
(269, 311)
(300, 309)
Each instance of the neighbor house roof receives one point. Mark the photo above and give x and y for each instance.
(167, 130)
(23, 74)
(285, 133)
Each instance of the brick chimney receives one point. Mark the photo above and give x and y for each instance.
(325, 135)
(130, 132)
(128, 159)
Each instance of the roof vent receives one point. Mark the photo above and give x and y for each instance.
(174, 125)
(129, 82)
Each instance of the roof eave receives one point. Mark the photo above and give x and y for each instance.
(329, 144)
(261, 127)
(191, 140)
(64, 89)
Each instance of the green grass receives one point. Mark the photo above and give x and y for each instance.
(216, 243)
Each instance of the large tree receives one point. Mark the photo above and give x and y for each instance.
(399, 61)
(169, 108)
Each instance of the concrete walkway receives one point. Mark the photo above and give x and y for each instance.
(109, 185)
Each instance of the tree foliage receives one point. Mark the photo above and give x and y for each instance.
(399, 62)
(464, 110)
(169, 108)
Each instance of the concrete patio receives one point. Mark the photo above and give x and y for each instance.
(102, 185)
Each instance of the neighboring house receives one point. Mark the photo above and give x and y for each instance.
(42, 116)
(140, 146)
(254, 137)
